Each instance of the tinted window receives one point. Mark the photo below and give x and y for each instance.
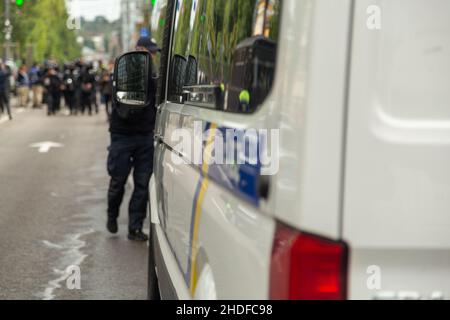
(224, 53)
(158, 23)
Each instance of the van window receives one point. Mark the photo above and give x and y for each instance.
(158, 23)
(224, 52)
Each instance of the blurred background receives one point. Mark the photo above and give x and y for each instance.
(56, 63)
(65, 30)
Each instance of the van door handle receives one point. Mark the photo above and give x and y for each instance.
(158, 137)
(263, 187)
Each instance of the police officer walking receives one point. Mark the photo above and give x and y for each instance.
(132, 149)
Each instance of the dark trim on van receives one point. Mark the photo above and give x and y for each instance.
(345, 119)
(161, 95)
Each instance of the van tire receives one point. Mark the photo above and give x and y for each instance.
(152, 285)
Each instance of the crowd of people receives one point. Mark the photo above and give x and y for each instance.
(76, 85)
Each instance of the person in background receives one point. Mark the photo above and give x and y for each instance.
(35, 76)
(23, 86)
(87, 81)
(53, 85)
(69, 89)
(60, 75)
(96, 74)
(106, 90)
(45, 68)
(77, 73)
(4, 89)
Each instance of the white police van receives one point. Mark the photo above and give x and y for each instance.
(354, 98)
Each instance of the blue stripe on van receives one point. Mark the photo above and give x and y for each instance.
(240, 179)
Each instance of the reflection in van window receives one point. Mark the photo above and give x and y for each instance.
(159, 20)
(224, 53)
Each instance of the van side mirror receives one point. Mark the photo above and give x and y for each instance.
(131, 76)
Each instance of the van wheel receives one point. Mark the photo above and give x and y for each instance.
(152, 286)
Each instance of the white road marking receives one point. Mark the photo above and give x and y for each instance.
(72, 255)
(52, 245)
(45, 146)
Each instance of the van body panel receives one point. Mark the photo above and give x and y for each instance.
(397, 178)
(236, 242)
(309, 94)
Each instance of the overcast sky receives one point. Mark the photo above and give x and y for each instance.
(92, 8)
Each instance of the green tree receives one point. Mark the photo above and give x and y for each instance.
(43, 25)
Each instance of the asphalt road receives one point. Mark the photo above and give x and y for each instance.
(53, 213)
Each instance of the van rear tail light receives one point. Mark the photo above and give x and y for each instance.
(307, 267)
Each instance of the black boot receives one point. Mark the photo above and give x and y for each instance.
(137, 235)
(111, 225)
